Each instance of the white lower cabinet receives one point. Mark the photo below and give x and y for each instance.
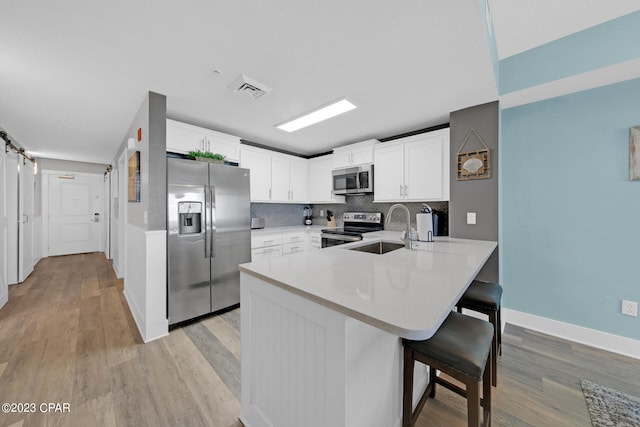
(278, 244)
(264, 247)
(294, 242)
(266, 253)
(315, 240)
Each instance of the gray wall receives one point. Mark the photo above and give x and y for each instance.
(69, 166)
(152, 119)
(479, 196)
(157, 168)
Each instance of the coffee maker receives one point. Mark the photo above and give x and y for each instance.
(308, 216)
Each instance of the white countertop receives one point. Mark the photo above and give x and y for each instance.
(287, 229)
(407, 293)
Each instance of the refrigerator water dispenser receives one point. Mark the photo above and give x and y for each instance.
(190, 217)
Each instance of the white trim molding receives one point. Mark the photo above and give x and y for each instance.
(591, 337)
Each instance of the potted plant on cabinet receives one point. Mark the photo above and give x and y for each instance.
(207, 156)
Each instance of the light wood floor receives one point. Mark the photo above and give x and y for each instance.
(66, 336)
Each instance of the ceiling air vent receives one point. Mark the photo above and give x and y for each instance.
(249, 87)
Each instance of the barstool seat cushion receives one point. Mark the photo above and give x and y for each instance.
(482, 295)
(462, 343)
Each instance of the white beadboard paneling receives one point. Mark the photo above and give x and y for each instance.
(305, 364)
(145, 281)
(156, 284)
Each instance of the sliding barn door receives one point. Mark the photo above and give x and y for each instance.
(4, 286)
(12, 173)
(25, 220)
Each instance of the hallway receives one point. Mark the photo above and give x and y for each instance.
(67, 335)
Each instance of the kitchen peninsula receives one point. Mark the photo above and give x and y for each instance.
(321, 330)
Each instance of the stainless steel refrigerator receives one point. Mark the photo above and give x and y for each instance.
(209, 234)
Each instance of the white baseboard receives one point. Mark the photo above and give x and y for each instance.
(114, 264)
(591, 337)
(135, 312)
(4, 298)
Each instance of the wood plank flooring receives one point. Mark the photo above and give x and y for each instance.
(67, 336)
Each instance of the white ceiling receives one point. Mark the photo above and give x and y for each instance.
(74, 73)
(524, 24)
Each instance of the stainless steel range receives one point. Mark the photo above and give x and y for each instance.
(355, 224)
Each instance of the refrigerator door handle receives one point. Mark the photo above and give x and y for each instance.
(212, 239)
(206, 222)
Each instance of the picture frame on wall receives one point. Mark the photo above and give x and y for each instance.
(474, 164)
(134, 177)
(634, 153)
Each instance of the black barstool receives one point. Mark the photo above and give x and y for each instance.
(461, 348)
(485, 297)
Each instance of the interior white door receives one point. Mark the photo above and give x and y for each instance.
(25, 220)
(4, 286)
(75, 207)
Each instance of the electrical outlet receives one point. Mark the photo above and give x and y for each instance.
(321, 212)
(471, 218)
(630, 308)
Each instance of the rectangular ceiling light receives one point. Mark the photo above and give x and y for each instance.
(323, 113)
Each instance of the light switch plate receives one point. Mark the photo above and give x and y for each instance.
(471, 218)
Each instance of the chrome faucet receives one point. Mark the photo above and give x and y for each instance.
(407, 233)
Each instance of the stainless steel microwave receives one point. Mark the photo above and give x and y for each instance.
(353, 180)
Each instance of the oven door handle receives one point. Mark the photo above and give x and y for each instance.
(341, 237)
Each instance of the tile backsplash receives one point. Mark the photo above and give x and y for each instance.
(278, 214)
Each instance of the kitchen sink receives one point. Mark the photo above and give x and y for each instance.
(378, 247)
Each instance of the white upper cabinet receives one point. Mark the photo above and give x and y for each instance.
(415, 168)
(299, 180)
(259, 163)
(289, 179)
(280, 175)
(354, 154)
(277, 178)
(183, 137)
(388, 172)
(320, 181)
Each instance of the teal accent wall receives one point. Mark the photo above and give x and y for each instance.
(606, 44)
(491, 40)
(570, 217)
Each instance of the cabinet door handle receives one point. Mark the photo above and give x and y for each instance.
(269, 194)
(401, 190)
(405, 190)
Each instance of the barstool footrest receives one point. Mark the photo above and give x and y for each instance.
(454, 388)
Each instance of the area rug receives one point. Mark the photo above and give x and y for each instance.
(608, 407)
